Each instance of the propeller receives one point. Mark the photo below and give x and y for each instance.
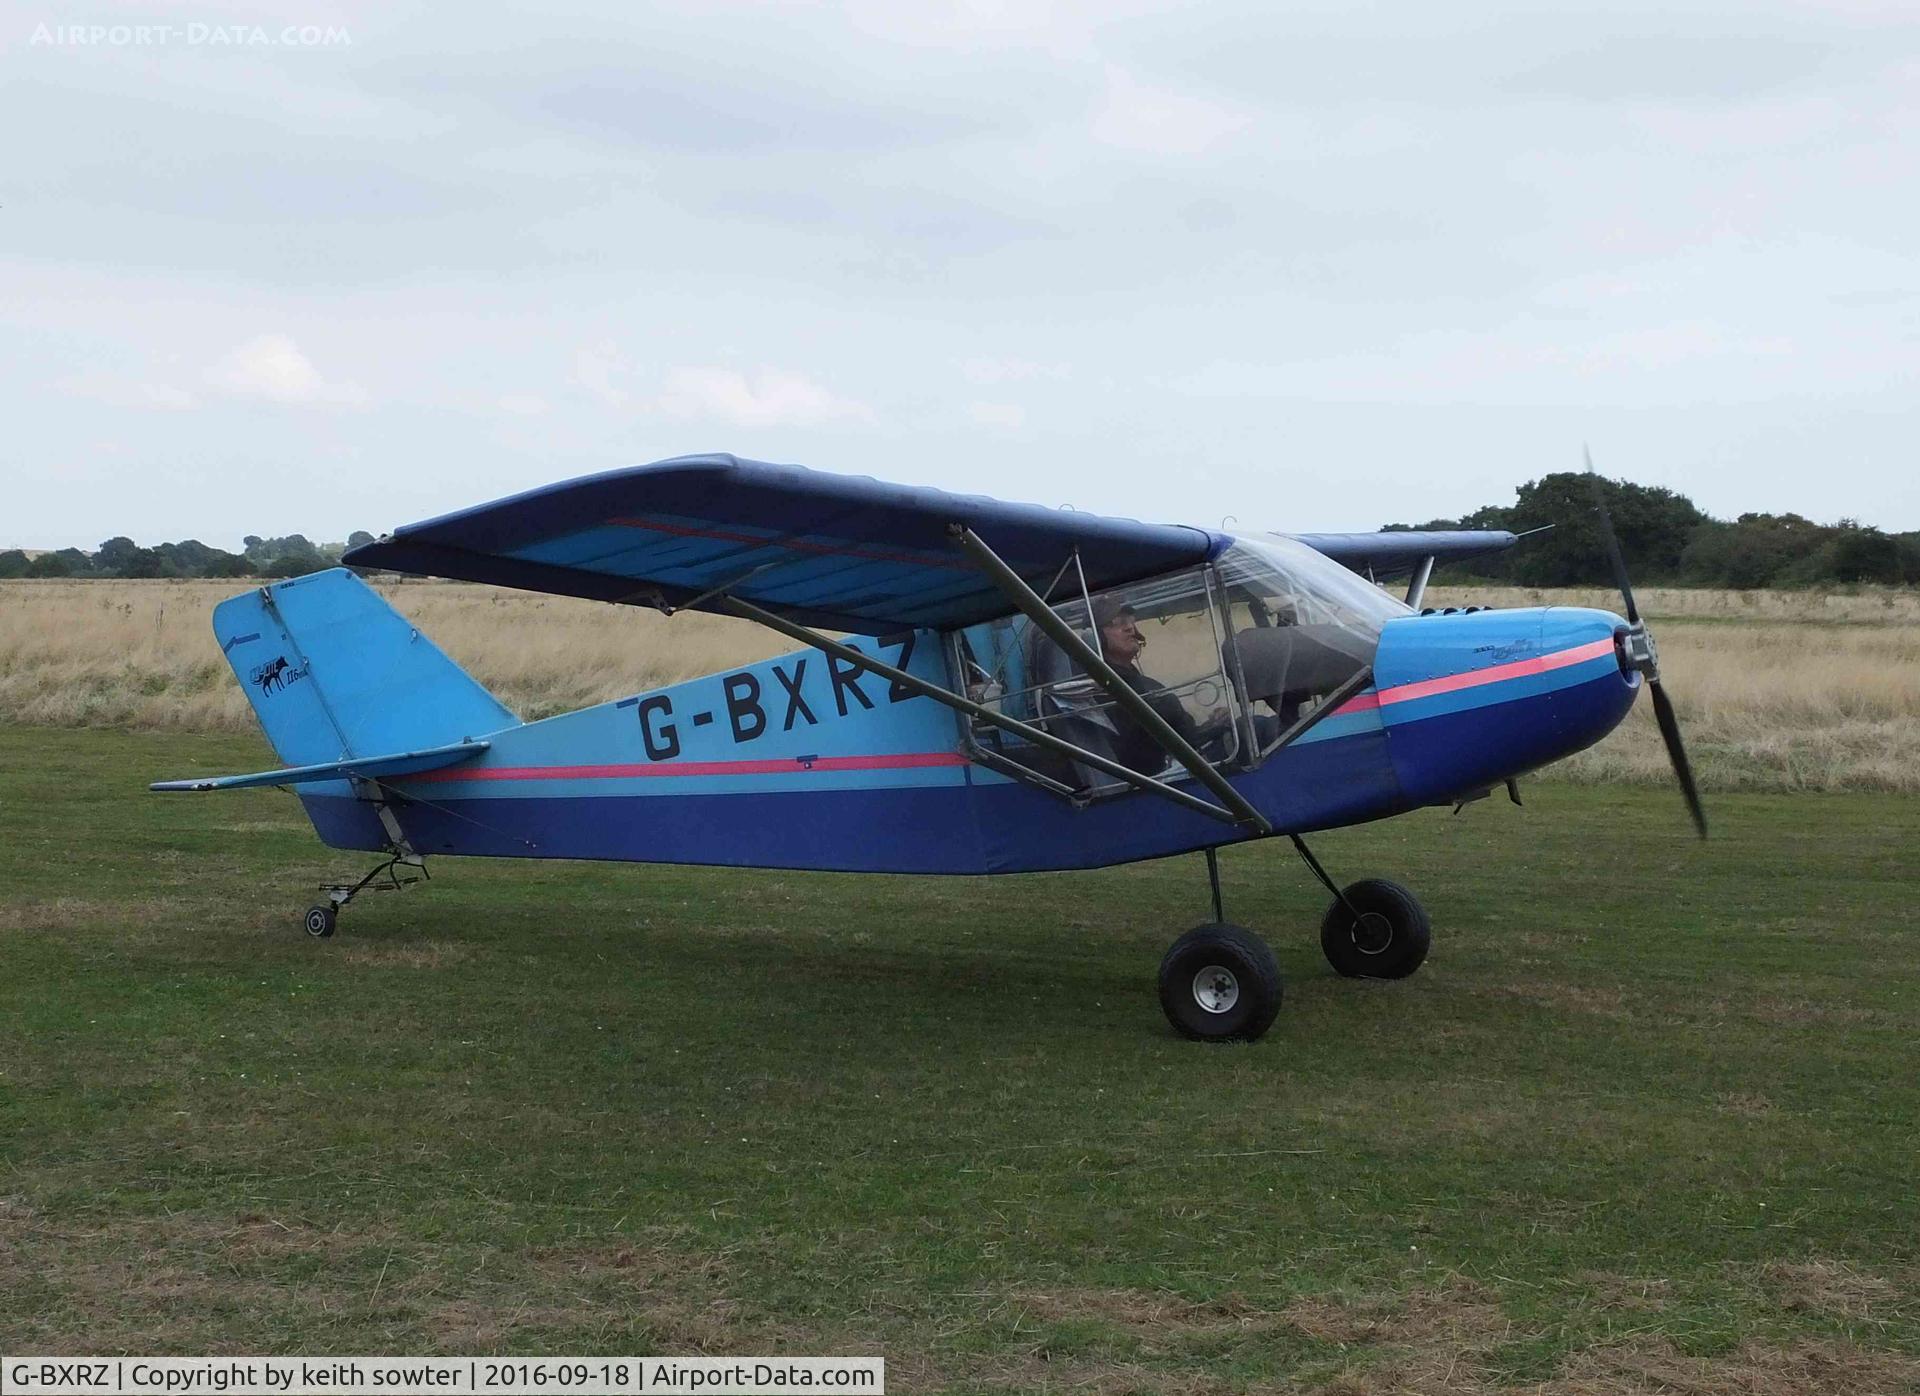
(1637, 646)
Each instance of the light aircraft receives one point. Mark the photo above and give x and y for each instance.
(1005, 688)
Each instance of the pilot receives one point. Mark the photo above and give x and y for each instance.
(1134, 746)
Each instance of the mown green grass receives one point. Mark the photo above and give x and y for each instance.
(1648, 1101)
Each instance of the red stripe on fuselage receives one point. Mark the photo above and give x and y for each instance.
(921, 760)
(791, 765)
(1474, 678)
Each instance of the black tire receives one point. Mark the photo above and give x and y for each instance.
(1219, 983)
(319, 921)
(1391, 940)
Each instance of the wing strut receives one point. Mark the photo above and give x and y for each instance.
(979, 712)
(1065, 636)
(1417, 588)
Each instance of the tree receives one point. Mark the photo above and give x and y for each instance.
(228, 565)
(1864, 555)
(142, 562)
(359, 538)
(1755, 550)
(189, 558)
(114, 555)
(1652, 524)
(13, 563)
(296, 561)
(50, 565)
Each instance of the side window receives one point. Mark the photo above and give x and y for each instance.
(1302, 627)
(1164, 638)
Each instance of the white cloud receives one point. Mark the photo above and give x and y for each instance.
(770, 397)
(522, 404)
(272, 366)
(1160, 121)
(998, 414)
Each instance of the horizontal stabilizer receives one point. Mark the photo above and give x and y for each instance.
(399, 763)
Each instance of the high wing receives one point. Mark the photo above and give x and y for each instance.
(840, 552)
(1381, 555)
(399, 763)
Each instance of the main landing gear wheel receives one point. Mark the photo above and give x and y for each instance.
(1220, 983)
(1390, 938)
(319, 921)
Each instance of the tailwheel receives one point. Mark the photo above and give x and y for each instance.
(1376, 930)
(319, 920)
(1219, 983)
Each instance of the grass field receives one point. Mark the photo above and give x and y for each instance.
(1645, 1122)
(1777, 690)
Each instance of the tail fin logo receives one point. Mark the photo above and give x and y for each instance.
(273, 675)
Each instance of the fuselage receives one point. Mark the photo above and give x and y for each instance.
(803, 762)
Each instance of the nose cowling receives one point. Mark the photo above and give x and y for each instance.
(1471, 700)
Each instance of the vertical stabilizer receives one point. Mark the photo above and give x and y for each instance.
(333, 671)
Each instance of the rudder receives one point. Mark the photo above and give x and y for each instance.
(333, 671)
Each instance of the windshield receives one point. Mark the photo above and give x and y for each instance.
(1302, 626)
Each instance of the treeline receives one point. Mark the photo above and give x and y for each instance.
(292, 556)
(1666, 538)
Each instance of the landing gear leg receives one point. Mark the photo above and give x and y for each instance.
(1375, 929)
(320, 919)
(1220, 982)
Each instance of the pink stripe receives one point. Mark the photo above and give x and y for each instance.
(1520, 668)
(1452, 683)
(920, 760)
(903, 761)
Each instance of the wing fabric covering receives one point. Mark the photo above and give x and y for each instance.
(835, 551)
(1390, 553)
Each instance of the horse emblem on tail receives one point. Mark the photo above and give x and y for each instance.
(271, 676)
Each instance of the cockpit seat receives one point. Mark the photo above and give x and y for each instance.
(1285, 665)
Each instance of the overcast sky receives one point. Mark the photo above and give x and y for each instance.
(1311, 266)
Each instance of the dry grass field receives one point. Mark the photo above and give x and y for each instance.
(1777, 690)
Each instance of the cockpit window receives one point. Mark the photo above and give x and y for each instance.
(1163, 637)
(1302, 626)
(1232, 656)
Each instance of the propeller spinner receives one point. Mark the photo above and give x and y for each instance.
(1637, 649)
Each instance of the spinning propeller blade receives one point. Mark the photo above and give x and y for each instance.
(1613, 543)
(1676, 753)
(1641, 654)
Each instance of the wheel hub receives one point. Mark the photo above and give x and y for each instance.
(1215, 989)
(1372, 934)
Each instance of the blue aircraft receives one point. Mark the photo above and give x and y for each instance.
(1005, 688)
